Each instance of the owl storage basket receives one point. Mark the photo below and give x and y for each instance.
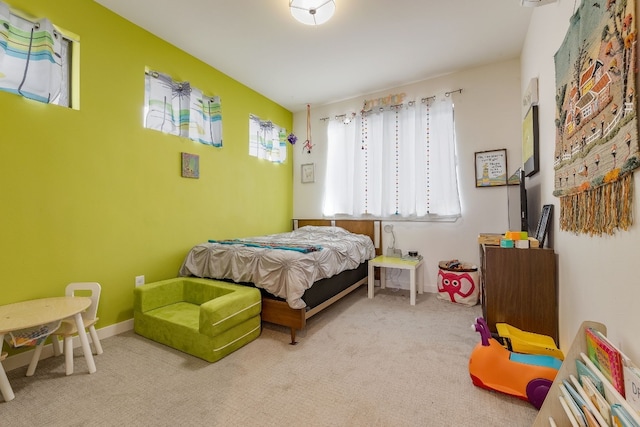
(458, 282)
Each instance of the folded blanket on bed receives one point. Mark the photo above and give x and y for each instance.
(305, 249)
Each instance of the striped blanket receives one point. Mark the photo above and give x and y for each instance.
(287, 246)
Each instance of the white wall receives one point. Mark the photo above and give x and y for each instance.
(488, 117)
(598, 276)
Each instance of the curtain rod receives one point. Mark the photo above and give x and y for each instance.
(447, 94)
(423, 100)
(36, 21)
(345, 117)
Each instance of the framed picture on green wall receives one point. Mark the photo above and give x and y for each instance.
(190, 165)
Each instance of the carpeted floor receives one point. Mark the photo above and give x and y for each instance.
(362, 362)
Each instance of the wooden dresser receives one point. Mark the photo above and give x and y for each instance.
(519, 288)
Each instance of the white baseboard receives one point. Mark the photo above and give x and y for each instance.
(23, 359)
(430, 288)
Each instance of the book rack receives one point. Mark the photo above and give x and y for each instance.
(551, 406)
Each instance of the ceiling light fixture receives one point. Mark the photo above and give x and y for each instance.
(312, 12)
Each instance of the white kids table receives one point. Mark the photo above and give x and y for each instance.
(414, 267)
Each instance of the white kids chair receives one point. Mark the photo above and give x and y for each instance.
(68, 328)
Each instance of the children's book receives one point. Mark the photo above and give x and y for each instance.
(591, 421)
(571, 405)
(621, 418)
(583, 371)
(610, 393)
(632, 385)
(568, 411)
(631, 375)
(596, 398)
(591, 413)
(574, 393)
(607, 359)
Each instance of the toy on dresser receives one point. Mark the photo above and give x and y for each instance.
(525, 376)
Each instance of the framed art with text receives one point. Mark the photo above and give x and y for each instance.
(491, 168)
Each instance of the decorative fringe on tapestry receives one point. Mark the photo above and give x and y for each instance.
(599, 210)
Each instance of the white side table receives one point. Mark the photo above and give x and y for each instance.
(414, 267)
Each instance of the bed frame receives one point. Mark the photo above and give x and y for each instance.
(279, 312)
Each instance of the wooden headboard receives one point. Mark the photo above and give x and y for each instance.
(371, 228)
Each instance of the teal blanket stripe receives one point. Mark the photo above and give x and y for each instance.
(298, 248)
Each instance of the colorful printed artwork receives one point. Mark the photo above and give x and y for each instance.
(190, 165)
(596, 118)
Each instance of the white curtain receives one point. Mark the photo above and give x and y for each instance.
(267, 140)
(63, 97)
(344, 177)
(179, 109)
(30, 57)
(444, 197)
(167, 104)
(399, 162)
(205, 118)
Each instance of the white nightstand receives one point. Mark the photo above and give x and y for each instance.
(414, 267)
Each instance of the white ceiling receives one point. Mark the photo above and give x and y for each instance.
(368, 45)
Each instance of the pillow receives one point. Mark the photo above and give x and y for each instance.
(325, 229)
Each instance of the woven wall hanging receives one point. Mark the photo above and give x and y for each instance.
(596, 147)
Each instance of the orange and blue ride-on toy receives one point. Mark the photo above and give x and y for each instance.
(525, 376)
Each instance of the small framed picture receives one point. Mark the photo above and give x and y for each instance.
(543, 224)
(190, 165)
(491, 168)
(308, 173)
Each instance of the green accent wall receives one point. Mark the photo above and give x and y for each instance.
(90, 195)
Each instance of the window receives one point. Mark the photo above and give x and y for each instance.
(180, 109)
(267, 140)
(398, 162)
(35, 58)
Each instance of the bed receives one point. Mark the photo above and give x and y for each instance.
(299, 273)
